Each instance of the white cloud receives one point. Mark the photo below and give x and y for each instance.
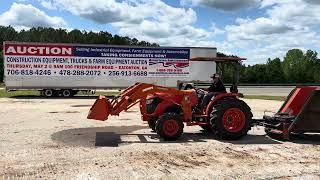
(215, 30)
(274, 46)
(312, 1)
(261, 26)
(153, 21)
(101, 11)
(166, 25)
(23, 16)
(226, 5)
(48, 5)
(287, 24)
(130, 11)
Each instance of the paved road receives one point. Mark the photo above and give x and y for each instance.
(271, 91)
(255, 90)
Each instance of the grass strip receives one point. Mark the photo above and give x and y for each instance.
(263, 97)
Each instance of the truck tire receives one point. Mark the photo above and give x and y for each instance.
(169, 126)
(48, 92)
(231, 119)
(66, 93)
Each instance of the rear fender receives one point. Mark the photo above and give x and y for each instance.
(220, 97)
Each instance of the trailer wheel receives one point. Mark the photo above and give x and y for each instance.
(48, 92)
(66, 93)
(169, 126)
(231, 119)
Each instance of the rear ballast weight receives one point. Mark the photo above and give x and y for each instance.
(167, 109)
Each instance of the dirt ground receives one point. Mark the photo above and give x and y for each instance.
(52, 139)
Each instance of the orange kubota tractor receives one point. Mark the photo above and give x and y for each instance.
(167, 109)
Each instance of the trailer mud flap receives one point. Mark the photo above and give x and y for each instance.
(100, 110)
(308, 119)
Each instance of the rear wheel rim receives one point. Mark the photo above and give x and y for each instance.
(171, 127)
(234, 120)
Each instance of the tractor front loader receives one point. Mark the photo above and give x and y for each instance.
(167, 109)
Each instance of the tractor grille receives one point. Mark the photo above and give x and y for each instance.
(152, 104)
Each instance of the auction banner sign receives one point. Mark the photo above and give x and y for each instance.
(32, 59)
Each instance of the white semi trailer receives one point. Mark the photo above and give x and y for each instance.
(65, 69)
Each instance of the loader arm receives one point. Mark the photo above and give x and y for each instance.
(102, 108)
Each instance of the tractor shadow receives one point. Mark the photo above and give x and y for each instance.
(306, 139)
(115, 136)
(87, 137)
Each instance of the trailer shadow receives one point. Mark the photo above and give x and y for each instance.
(113, 136)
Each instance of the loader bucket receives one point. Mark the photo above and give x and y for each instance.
(100, 110)
(308, 120)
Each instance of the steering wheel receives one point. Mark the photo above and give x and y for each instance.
(199, 90)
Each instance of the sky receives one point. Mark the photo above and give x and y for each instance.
(254, 29)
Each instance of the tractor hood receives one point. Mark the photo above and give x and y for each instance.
(177, 99)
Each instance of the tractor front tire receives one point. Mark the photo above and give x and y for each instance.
(231, 119)
(169, 126)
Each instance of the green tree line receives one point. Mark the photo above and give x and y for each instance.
(296, 67)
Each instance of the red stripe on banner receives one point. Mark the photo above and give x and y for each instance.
(38, 50)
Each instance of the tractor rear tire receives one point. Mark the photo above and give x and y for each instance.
(169, 126)
(231, 119)
(152, 123)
